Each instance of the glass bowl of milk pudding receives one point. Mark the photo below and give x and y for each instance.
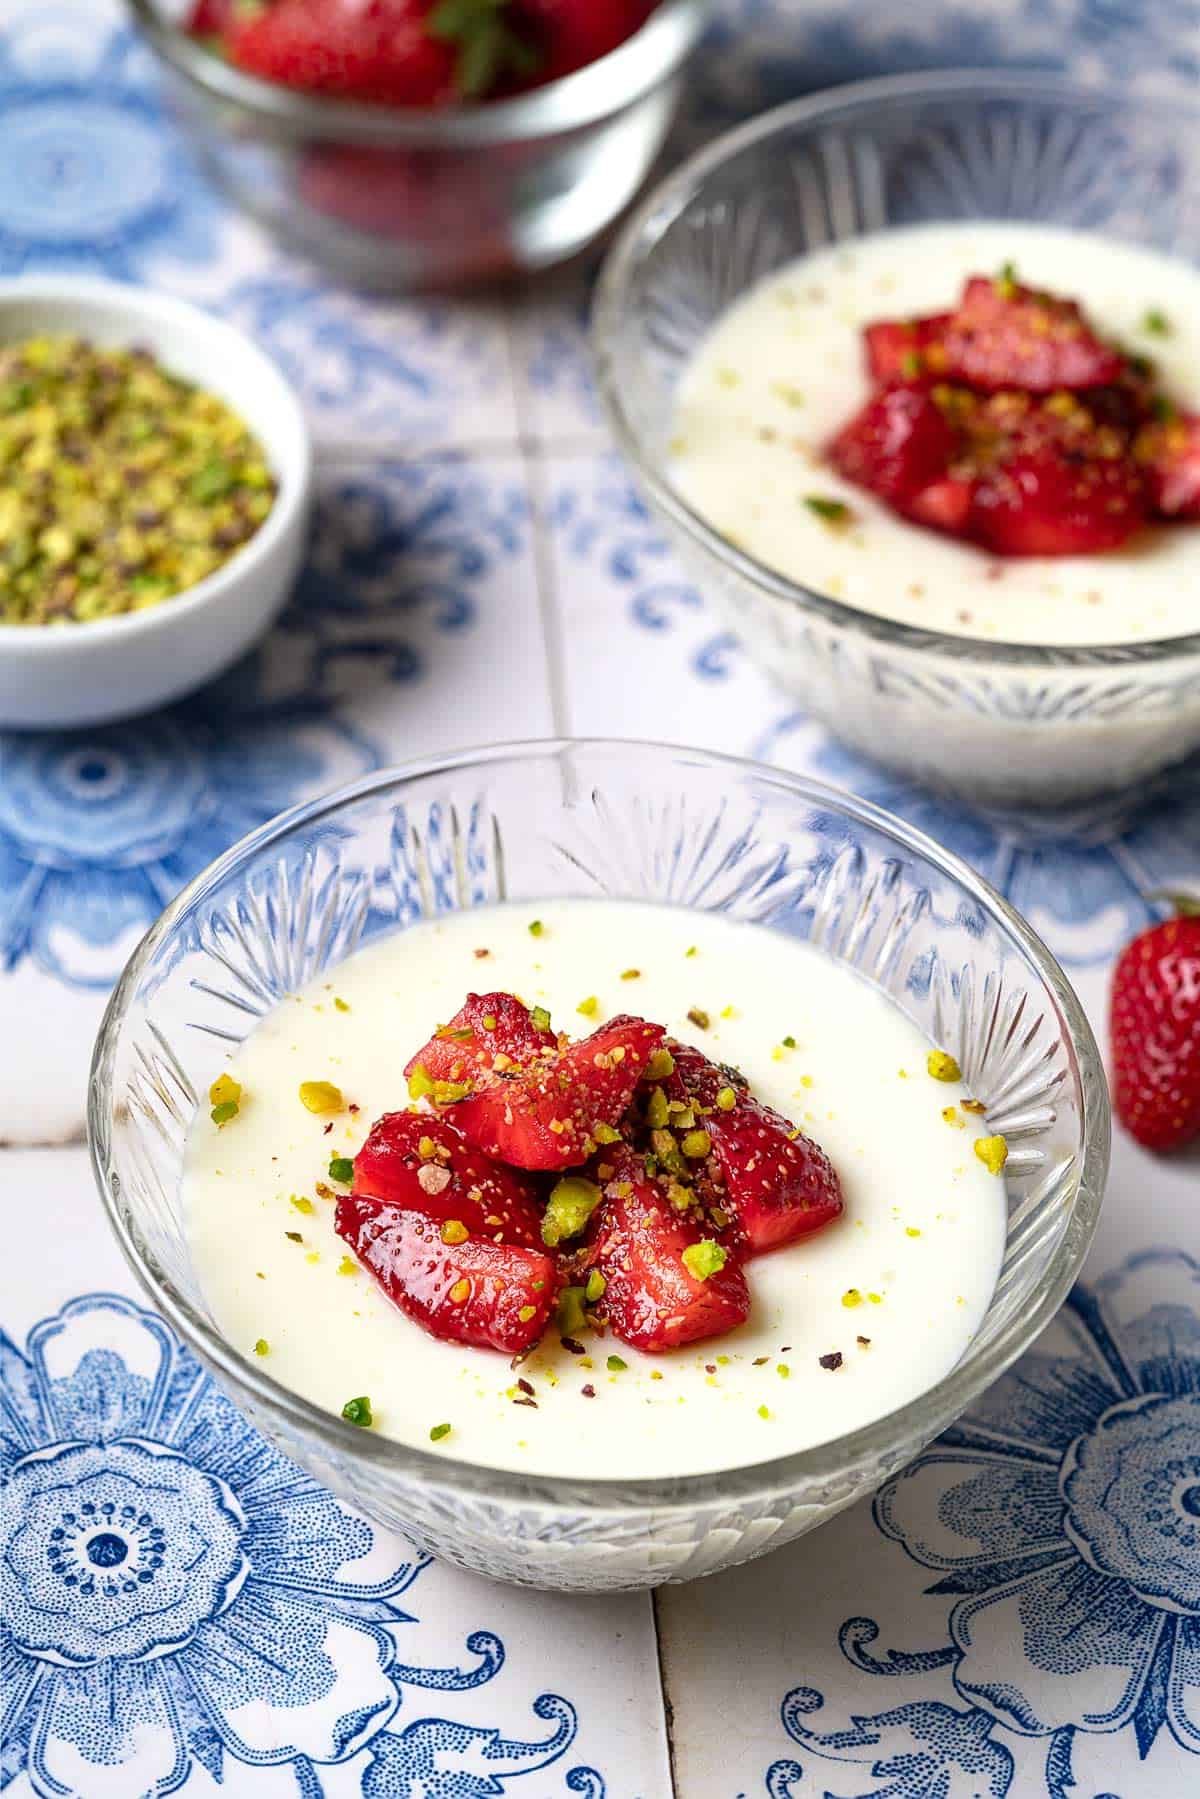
(782, 926)
(727, 334)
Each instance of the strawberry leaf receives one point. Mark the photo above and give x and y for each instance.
(489, 46)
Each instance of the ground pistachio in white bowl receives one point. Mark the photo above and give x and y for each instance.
(155, 471)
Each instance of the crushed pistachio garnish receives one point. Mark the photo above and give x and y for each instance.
(539, 1018)
(704, 1259)
(526, 1313)
(588, 1007)
(341, 1168)
(123, 484)
(604, 1133)
(225, 1094)
(321, 1096)
(911, 1230)
(347, 1265)
(789, 1043)
(657, 1109)
(726, 1099)
(1156, 323)
(829, 511)
(536, 928)
(852, 1297)
(942, 1066)
(358, 1411)
(454, 1231)
(696, 1145)
(764, 1411)
(660, 1065)
(1006, 282)
(973, 1105)
(460, 1292)
(954, 1117)
(631, 974)
(293, 1236)
(340, 1005)
(699, 1017)
(262, 1347)
(992, 1152)
(572, 1201)
(570, 1316)
(596, 1286)
(615, 1365)
(438, 1432)
(783, 1371)
(301, 1204)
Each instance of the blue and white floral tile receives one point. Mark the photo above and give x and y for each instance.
(187, 1611)
(414, 628)
(1015, 1616)
(558, 405)
(642, 654)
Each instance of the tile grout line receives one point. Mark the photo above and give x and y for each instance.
(664, 1690)
(543, 560)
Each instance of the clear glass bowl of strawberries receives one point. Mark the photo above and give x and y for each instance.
(988, 578)
(413, 144)
(533, 825)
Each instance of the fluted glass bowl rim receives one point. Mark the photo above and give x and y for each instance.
(908, 1425)
(684, 186)
(589, 95)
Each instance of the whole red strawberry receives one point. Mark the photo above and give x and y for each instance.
(1155, 1032)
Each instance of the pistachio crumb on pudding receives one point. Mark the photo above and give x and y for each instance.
(1026, 388)
(497, 1206)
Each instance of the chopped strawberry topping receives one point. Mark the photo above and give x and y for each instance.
(1007, 335)
(899, 443)
(906, 352)
(1169, 456)
(775, 1183)
(492, 1033)
(491, 1295)
(652, 1298)
(545, 1114)
(412, 1159)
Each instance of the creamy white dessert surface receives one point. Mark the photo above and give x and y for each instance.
(783, 370)
(911, 1266)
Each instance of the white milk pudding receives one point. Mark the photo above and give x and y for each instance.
(844, 1325)
(784, 370)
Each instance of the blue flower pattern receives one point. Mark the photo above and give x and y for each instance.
(1062, 1520)
(177, 1594)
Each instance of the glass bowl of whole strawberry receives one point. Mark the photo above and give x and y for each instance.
(1015, 444)
(426, 143)
(537, 824)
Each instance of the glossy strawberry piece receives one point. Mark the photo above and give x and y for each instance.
(899, 443)
(1168, 454)
(1006, 335)
(775, 1183)
(1047, 500)
(544, 1116)
(568, 34)
(944, 505)
(652, 1300)
(490, 1295)
(457, 1181)
(906, 352)
(489, 1026)
(1154, 1021)
(376, 50)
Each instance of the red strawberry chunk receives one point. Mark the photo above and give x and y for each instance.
(906, 352)
(456, 1181)
(944, 505)
(1007, 335)
(1039, 503)
(544, 1115)
(489, 1025)
(1168, 454)
(896, 445)
(490, 1295)
(652, 1299)
(774, 1182)
(1155, 1029)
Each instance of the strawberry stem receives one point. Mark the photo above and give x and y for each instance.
(1183, 905)
(488, 45)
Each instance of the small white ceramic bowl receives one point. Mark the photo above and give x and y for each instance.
(86, 674)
